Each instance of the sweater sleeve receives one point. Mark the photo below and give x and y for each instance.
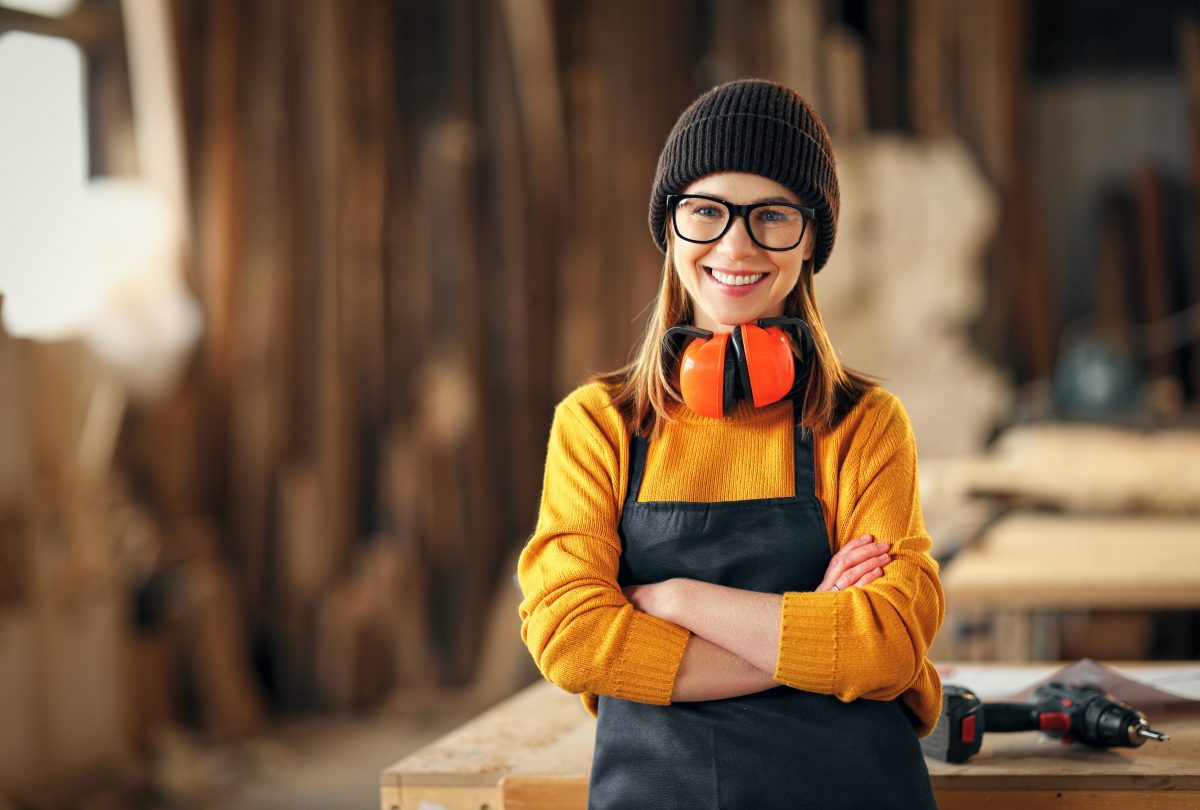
(871, 642)
(582, 632)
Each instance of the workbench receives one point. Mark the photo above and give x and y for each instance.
(533, 751)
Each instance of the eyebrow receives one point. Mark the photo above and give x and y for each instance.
(771, 200)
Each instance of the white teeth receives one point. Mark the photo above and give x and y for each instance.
(736, 281)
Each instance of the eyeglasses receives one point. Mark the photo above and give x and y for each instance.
(771, 225)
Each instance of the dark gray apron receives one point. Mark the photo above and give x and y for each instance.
(780, 748)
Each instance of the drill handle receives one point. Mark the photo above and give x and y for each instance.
(1010, 717)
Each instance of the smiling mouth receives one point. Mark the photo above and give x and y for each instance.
(735, 279)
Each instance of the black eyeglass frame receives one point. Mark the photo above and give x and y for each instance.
(736, 211)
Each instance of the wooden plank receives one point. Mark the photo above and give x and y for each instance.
(1106, 634)
(532, 793)
(544, 792)
(257, 408)
(338, 644)
(438, 798)
(86, 24)
(531, 51)
(927, 74)
(1115, 263)
(158, 118)
(86, 714)
(796, 30)
(409, 335)
(1049, 561)
(16, 468)
(1081, 468)
(1061, 799)
(303, 559)
(1032, 301)
(513, 428)
(231, 703)
(446, 396)
(1152, 272)
(569, 794)
(845, 113)
(990, 82)
(412, 645)
(540, 731)
(588, 301)
(152, 684)
(22, 734)
(372, 149)
(505, 665)
(364, 637)
(548, 286)
(1189, 67)
(333, 447)
(884, 69)
(219, 211)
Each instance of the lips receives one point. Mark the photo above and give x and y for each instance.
(734, 282)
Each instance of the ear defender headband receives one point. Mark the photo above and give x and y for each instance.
(755, 361)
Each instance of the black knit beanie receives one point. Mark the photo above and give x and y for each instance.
(754, 126)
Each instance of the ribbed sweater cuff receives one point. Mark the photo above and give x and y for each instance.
(645, 672)
(808, 648)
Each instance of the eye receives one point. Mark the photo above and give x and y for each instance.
(777, 215)
(702, 209)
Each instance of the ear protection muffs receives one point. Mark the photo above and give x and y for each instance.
(755, 361)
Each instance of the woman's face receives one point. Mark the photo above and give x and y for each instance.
(706, 270)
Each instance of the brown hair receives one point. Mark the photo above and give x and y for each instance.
(644, 393)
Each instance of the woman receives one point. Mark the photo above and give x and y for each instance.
(744, 598)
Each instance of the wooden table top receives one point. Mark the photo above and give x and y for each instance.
(544, 733)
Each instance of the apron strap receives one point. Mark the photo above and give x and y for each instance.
(638, 446)
(804, 459)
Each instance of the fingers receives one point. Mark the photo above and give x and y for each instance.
(857, 563)
(869, 577)
(858, 573)
(856, 543)
(859, 550)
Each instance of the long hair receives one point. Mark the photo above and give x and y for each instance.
(644, 392)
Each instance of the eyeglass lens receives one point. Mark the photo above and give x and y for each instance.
(773, 226)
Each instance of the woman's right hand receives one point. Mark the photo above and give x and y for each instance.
(857, 563)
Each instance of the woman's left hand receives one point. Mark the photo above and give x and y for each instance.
(655, 598)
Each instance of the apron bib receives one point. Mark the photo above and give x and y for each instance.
(780, 748)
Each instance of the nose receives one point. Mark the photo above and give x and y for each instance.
(736, 242)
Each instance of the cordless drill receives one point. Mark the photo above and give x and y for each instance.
(1073, 713)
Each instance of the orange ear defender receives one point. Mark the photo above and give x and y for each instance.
(755, 361)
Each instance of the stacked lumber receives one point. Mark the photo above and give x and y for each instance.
(1083, 543)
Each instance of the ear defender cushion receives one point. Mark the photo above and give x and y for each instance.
(770, 364)
(704, 376)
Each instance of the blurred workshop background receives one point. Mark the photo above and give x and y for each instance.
(289, 291)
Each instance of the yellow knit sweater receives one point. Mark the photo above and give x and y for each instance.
(867, 642)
